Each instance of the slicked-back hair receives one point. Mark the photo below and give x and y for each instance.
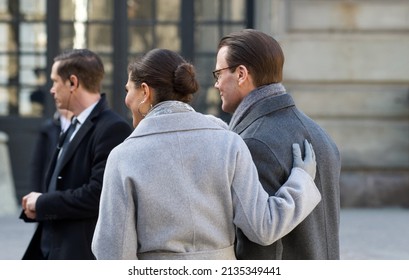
(259, 52)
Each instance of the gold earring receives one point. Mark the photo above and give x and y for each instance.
(139, 110)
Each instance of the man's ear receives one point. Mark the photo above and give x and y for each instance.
(74, 82)
(243, 74)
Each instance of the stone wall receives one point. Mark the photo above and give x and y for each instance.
(347, 66)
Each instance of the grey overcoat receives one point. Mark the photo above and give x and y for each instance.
(178, 186)
(268, 127)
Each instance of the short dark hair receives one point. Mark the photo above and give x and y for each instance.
(259, 52)
(84, 64)
(167, 72)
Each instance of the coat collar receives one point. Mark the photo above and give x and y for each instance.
(261, 108)
(254, 97)
(164, 123)
(89, 123)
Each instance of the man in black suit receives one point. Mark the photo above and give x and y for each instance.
(67, 213)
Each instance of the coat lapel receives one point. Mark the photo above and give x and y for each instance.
(84, 129)
(78, 137)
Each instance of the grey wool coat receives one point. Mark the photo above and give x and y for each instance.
(269, 123)
(179, 184)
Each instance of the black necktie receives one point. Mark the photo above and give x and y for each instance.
(65, 136)
(61, 148)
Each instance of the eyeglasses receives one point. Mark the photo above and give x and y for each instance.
(216, 73)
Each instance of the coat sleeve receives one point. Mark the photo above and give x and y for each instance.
(263, 218)
(115, 236)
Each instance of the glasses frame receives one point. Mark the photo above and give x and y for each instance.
(216, 73)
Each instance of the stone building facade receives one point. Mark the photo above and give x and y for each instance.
(347, 66)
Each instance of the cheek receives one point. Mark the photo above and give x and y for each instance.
(225, 84)
(230, 98)
(61, 89)
(59, 92)
(226, 89)
(127, 101)
(56, 88)
(130, 100)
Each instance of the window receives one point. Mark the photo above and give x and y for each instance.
(118, 30)
(89, 24)
(22, 57)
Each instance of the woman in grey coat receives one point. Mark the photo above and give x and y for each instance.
(181, 183)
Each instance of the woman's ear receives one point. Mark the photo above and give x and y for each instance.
(147, 92)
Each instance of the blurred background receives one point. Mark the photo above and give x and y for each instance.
(347, 66)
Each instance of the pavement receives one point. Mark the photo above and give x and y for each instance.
(365, 234)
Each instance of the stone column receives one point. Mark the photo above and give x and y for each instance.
(8, 202)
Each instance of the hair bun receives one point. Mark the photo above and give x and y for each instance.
(185, 82)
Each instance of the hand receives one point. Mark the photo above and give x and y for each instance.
(309, 164)
(28, 204)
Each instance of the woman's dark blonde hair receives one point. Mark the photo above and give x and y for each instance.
(167, 73)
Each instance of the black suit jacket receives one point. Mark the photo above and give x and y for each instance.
(72, 210)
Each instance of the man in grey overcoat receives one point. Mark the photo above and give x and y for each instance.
(248, 75)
